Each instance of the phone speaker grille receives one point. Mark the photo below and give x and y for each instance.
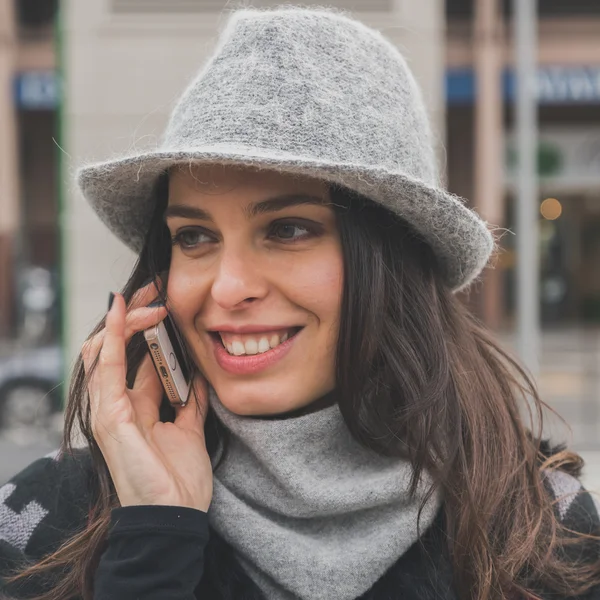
(170, 391)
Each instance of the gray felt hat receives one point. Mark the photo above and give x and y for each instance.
(307, 91)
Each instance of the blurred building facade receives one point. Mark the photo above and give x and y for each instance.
(480, 85)
(29, 233)
(126, 61)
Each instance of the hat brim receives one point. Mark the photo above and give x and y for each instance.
(121, 193)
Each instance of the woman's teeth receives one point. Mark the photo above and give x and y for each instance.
(254, 345)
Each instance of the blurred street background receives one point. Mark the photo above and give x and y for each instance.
(81, 81)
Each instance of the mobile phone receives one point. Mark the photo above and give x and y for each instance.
(168, 358)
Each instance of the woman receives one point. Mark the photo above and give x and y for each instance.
(352, 431)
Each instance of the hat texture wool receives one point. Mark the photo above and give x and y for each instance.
(312, 92)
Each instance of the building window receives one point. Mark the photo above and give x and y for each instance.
(547, 8)
(36, 13)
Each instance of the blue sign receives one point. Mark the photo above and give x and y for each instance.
(555, 85)
(37, 90)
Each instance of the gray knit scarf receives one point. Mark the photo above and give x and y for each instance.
(310, 513)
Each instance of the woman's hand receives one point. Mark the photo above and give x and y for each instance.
(150, 462)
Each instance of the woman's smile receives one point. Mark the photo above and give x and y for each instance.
(246, 353)
(253, 339)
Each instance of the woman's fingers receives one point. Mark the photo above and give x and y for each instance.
(112, 364)
(145, 295)
(89, 354)
(146, 394)
(91, 350)
(104, 356)
(193, 415)
(143, 318)
(135, 321)
(108, 385)
(146, 378)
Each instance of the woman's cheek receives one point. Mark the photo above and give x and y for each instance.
(186, 294)
(320, 282)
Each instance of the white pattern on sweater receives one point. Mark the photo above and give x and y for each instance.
(16, 528)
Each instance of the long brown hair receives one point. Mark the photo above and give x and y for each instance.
(417, 376)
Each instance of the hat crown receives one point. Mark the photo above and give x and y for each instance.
(307, 92)
(314, 85)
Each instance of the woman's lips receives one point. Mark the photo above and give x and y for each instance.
(247, 364)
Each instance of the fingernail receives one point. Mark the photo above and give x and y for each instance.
(111, 297)
(156, 304)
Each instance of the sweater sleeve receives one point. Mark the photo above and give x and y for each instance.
(153, 553)
(40, 507)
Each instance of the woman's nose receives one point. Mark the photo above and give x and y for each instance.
(238, 279)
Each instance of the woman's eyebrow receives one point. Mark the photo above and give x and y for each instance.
(187, 211)
(280, 202)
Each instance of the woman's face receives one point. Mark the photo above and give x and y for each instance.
(255, 284)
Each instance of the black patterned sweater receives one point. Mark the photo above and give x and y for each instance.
(170, 553)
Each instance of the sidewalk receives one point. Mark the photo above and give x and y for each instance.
(569, 381)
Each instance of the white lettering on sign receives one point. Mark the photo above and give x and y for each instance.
(568, 84)
(38, 90)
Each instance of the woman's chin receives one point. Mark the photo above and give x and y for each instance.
(254, 399)
(250, 407)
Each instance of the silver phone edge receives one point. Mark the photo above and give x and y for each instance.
(159, 359)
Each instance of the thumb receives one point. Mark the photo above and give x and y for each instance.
(193, 415)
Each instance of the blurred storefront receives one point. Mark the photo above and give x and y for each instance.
(569, 169)
(480, 85)
(29, 103)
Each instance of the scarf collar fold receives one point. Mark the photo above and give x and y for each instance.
(310, 513)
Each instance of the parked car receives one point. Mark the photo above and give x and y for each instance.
(30, 388)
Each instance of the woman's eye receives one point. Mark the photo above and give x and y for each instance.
(289, 231)
(190, 238)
